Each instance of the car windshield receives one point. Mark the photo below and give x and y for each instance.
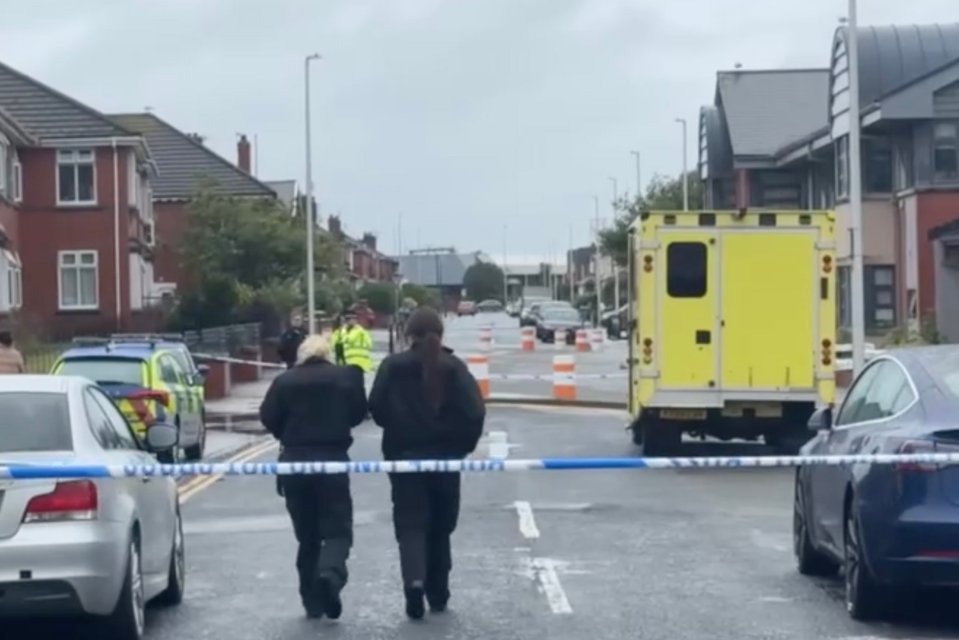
(105, 370)
(34, 421)
(183, 359)
(561, 314)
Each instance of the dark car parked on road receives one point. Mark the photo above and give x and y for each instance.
(558, 318)
(889, 526)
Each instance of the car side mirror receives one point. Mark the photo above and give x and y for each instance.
(821, 420)
(162, 437)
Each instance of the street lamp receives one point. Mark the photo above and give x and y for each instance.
(856, 289)
(682, 121)
(639, 182)
(310, 224)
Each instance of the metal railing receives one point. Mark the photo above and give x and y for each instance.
(225, 340)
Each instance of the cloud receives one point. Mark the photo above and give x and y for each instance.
(465, 115)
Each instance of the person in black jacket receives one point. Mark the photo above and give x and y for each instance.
(290, 341)
(311, 409)
(430, 407)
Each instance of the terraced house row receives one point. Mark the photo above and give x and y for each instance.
(93, 205)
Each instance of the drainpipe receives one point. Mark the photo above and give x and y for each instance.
(116, 229)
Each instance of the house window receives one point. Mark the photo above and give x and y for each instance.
(880, 296)
(842, 167)
(16, 182)
(3, 166)
(877, 158)
(78, 280)
(11, 281)
(76, 177)
(149, 233)
(844, 298)
(946, 151)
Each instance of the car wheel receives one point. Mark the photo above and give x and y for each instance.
(176, 579)
(864, 596)
(809, 561)
(128, 620)
(195, 452)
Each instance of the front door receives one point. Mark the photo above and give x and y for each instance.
(688, 310)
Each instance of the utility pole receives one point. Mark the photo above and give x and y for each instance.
(614, 265)
(682, 121)
(310, 224)
(855, 197)
(639, 180)
(597, 279)
(569, 264)
(505, 274)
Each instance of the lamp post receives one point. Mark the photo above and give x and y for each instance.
(310, 223)
(639, 181)
(856, 288)
(682, 121)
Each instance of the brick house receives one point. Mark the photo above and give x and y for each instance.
(184, 164)
(909, 117)
(362, 259)
(75, 213)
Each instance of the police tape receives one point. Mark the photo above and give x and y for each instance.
(26, 471)
(492, 376)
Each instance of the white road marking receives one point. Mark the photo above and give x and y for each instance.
(527, 522)
(545, 571)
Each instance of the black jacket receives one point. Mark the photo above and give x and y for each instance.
(289, 343)
(312, 408)
(412, 428)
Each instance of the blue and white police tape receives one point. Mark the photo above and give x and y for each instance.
(23, 471)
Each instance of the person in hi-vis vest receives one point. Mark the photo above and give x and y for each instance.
(357, 344)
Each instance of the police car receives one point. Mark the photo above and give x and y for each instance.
(151, 378)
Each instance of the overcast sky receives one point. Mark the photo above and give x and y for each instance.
(463, 115)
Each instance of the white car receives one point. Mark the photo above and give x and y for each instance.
(90, 547)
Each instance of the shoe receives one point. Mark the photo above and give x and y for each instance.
(314, 609)
(415, 608)
(332, 605)
(438, 606)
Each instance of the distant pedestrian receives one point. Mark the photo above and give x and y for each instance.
(11, 361)
(430, 408)
(290, 341)
(311, 409)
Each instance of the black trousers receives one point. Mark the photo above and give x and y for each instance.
(321, 509)
(425, 512)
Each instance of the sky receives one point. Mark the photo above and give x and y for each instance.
(483, 125)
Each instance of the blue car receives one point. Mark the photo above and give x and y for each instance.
(887, 526)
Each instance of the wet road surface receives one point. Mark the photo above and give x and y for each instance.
(565, 555)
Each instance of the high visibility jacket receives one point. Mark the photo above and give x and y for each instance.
(357, 345)
(337, 346)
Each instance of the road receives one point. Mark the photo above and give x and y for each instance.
(563, 555)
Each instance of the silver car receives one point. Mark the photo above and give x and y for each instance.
(98, 547)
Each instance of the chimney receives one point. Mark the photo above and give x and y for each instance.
(243, 154)
(369, 240)
(334, 226)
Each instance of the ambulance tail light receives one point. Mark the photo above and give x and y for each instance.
(827, 352)
(648, 351)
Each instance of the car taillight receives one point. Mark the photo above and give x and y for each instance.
(74, 500)
(151, 394)
(915, 447)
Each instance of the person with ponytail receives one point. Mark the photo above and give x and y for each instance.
(429, 407)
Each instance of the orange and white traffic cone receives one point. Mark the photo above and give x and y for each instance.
(599, 339)
(528, 339)
(564, 377)
(478, 365)
(559, 339)
(582, 340)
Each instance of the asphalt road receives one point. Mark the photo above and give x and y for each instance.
(560, 555)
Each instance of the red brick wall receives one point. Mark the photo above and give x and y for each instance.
(10, 219)
(46, 229)
(171, 222)
(934, 209)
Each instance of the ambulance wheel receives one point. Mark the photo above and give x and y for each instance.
(660, 438)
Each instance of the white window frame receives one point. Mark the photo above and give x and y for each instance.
(11, 293)
(17, 181)
(150, 233)
(77, 266)
(71, 157)
(4, 154)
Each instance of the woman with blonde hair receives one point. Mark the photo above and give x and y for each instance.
(311, 409)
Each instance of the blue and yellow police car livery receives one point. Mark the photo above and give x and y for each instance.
(146, 381)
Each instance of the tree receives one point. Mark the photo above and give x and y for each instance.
(483, 281)
(244, 258)
(662, 194)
